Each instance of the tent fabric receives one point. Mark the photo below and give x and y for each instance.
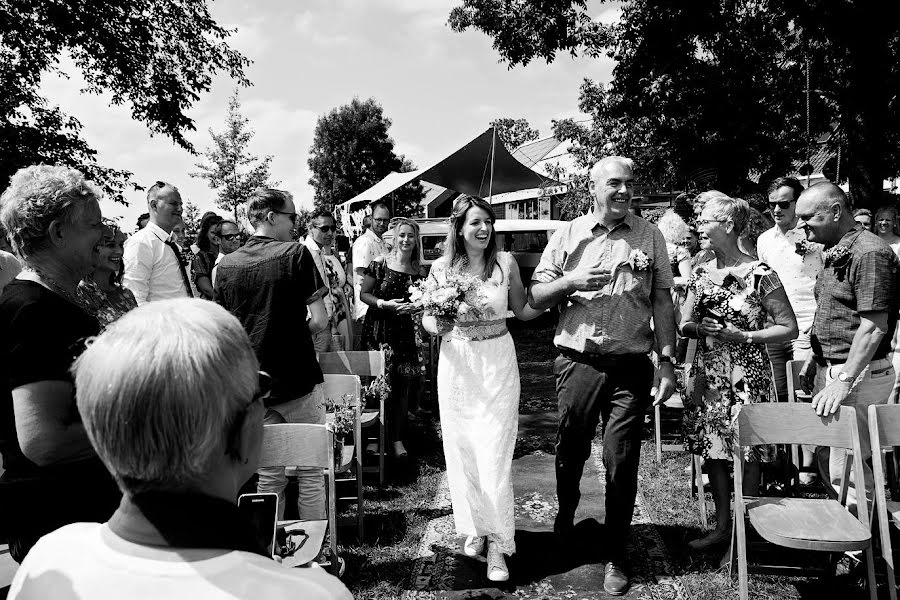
(467, 170)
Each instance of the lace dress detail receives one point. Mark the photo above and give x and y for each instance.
(478, 393)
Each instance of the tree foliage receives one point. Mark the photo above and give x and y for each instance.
(712, 92)
(352, 151)
(514, 132)
(191, 217)
(229, 168)
(157, 56)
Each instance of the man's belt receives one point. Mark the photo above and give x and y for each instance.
(826, 362)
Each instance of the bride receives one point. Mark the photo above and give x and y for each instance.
(478, 386)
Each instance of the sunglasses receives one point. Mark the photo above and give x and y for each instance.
(292, 215)
(326, 228)
(230, 236)
(782, 205)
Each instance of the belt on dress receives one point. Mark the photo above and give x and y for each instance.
(475, 331)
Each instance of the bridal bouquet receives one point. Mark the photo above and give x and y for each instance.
(459, 294)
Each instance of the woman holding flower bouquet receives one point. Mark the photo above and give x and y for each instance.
(391, 321)
(466, 299)
(728, 300)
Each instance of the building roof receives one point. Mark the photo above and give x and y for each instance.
(531, 153)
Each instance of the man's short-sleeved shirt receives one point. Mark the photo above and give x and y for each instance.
(862, 278)
(365, 249)
(616, 318)
(267, 285)
(798, 264)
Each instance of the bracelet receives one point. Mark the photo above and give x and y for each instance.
(749, 337)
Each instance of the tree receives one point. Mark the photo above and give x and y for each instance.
(713, 92)
(155, 55)
(191, 217)
(515, 132)
(230, 169)
(352, 151)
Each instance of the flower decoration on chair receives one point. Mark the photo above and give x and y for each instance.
(460, 294)
(344, 411)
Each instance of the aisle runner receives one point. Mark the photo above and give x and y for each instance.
(542, 568)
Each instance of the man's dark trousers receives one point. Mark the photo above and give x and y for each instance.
(616, 389)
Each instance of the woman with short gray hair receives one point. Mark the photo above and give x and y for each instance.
(171, 397)
(54, 223)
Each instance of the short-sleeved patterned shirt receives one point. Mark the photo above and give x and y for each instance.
(864, 278)
(616, 318)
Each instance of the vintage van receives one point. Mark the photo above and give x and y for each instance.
(525, 238)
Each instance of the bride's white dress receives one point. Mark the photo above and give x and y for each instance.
(478, 393)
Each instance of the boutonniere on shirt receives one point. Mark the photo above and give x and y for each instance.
(803, 248)
(837, 256)
(638, 260)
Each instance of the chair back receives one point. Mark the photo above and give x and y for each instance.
(364, 363)
(297, 445)
(884, 425)
(338, 386)
(795, 423)
(792, 369)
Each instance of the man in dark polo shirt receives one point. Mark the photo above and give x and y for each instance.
(856, 313)
(609, 271)
(273, 287)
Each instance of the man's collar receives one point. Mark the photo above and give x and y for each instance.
(627, 221)
(310, 243)
(157, 231)
(373, 235)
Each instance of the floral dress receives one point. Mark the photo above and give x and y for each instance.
(105, 307)
(728, 374)
(399, 332)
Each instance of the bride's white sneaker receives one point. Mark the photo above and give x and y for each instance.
(474, 545)
(496, 564)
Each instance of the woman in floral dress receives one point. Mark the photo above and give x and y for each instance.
(103, 293)
(392, 320)
(728, 301)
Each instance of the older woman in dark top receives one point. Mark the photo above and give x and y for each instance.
(52, 474)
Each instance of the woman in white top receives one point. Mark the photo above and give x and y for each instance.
(180, 434)
(886, 227)
(478, 386)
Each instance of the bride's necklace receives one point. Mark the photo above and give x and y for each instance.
(40, 276)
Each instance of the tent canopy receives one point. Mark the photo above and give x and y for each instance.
(467, 170)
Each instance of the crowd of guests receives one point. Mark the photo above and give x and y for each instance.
(118, 383)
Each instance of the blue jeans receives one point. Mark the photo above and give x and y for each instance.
(311, 484)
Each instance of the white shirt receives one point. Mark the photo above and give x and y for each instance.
(316, 252)
(797, 273)
(76, 562)
(9, 268)
(366, 248)
(151, 267)
(212, 276)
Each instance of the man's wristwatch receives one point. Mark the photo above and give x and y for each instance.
(845, 378)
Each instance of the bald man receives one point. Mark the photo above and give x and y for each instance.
(856, 313)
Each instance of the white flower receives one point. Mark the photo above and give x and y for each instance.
(638, 260)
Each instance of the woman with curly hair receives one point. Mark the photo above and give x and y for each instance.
(103, 291)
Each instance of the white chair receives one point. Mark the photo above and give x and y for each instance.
(368, 364)
(305, 445)
(336, 387)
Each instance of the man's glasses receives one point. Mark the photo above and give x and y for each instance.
(230, 236)
(782, 205)
(326, 228)
(292, 215)
(708, 221)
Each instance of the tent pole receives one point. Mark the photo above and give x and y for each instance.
(493, 146)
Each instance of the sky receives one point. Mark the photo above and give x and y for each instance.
(439, 88)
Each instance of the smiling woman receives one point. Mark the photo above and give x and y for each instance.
(104, 294)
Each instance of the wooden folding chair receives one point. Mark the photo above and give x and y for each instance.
(336, 387)
(312, 446)
(368, 364)
(796, 394)
(884, 432)
(800, 523)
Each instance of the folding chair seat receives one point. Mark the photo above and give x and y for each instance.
(312, 446)
(366, 365)
(884, 432)
(801, 523)
(336, 387)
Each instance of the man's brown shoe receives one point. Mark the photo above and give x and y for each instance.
(615, 582)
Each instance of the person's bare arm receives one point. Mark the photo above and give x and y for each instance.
(778, 306)
(872, 328)
(664, 328)
(47, 425)
(584, 278)
(204, 286)
(318, 316)
(518, 301)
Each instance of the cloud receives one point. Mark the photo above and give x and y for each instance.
(306, 24)
(250, 38)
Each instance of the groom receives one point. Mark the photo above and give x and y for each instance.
(609, 272)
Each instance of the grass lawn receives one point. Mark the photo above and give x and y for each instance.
(397, 515)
